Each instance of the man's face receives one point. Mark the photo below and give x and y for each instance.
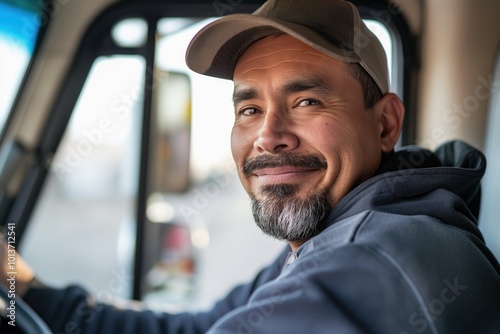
(302, 135)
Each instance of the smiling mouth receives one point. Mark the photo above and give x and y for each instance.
(283, 174)
(283, 168)
(286, 166)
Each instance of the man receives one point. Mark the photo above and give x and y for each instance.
(379, 241)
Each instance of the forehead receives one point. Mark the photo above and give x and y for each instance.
(278, 49)
(280, 58)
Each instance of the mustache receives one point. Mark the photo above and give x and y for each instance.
(284, 159)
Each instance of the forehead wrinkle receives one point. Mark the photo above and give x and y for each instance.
(272, 47)
(244, 62)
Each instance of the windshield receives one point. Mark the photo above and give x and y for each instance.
(20, 22)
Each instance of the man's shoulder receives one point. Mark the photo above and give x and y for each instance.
(418, 249)
(376, 228)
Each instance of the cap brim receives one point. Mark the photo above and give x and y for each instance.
(216, 48)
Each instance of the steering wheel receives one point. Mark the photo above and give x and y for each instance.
(27, 321)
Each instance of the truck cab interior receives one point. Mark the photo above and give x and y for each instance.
(115, 166)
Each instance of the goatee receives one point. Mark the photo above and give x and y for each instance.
(277, 209)
(285, 217)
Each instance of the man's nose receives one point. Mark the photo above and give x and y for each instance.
(276, 134)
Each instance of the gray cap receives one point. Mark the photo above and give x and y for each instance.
(330, 26)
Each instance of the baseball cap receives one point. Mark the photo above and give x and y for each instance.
(333, 27)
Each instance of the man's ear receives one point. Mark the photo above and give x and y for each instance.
(391, 112)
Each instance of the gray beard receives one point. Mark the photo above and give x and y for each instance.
(285, 217)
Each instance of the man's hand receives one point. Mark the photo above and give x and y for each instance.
(15, 273)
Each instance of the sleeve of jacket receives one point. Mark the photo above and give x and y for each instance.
(71, 310)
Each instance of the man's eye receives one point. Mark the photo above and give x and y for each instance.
(307, 102)
(248, 111)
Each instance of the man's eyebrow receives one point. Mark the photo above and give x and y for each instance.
(306, 84)
(242, 94)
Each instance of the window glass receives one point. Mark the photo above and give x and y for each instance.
(19, 25)
(384, 37)
(490, 210)
(86, 213)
